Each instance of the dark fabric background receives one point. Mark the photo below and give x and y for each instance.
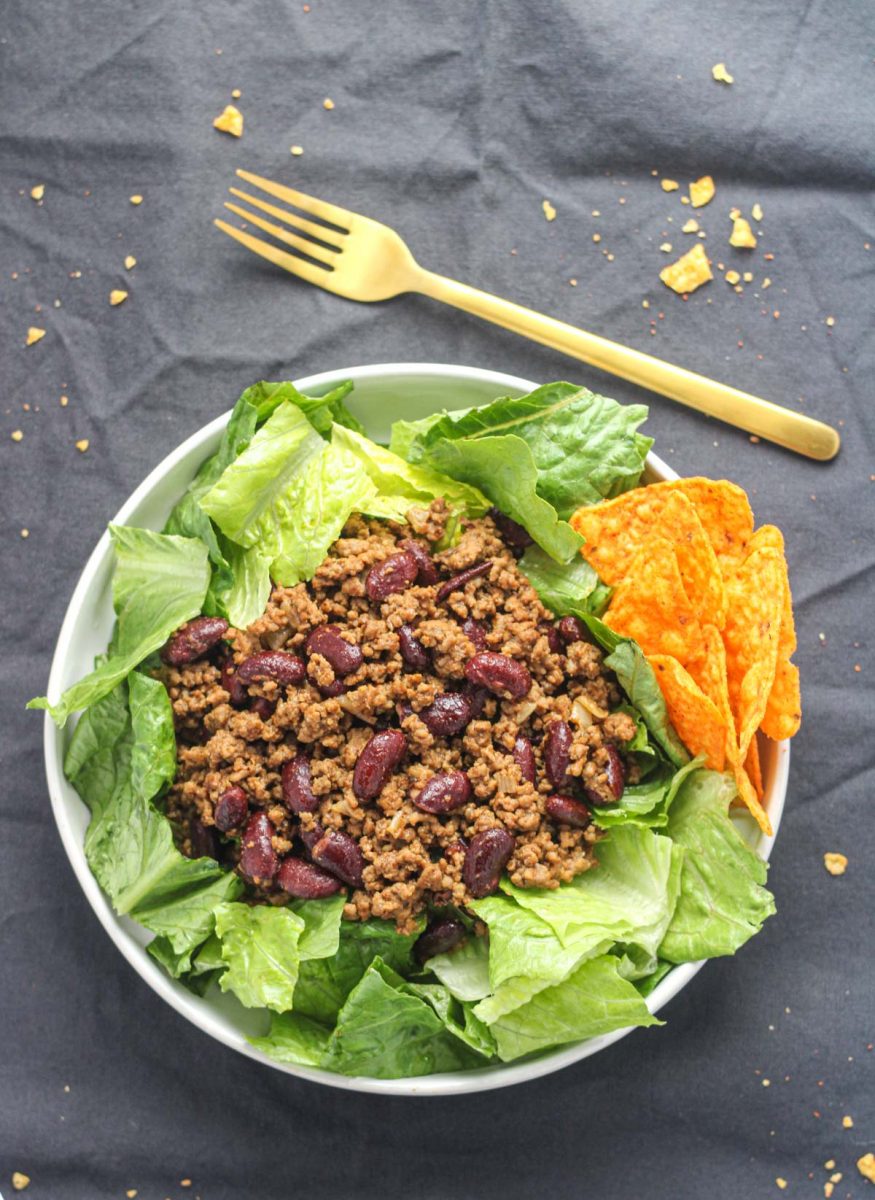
(453, 122)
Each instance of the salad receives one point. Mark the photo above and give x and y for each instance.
(441, 753)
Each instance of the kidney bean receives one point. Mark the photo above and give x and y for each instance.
(279, 665)
(557, 752)
(263, 707)
(498, 673)
(615, 773)
(476, 697)
(394, 574)
(193, 640)
(448, 713)
(204, 843)
(311, 836)
(554, 641)
(340, 854)
(444, 792)
(571, 629)
(297, 785)
(412, 650)
(376, 763)
(232, 684)
(343, 656)
(511, 531)
(232, 809)
(474, 632)
(336, 688)
(440, 935)
(485, 859)
(567, 811)
(258, 859)
(305, 880)
(426, 570)
(524, 757)
(458, 581)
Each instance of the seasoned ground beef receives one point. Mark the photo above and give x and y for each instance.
(238, 728)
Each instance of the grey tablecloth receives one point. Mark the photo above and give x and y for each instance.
(454, 121)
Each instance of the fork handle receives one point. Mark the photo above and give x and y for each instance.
(792, 430)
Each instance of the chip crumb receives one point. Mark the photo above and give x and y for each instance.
(742, 235)
(38, 191)
(685, 199)
(666, 247)
(691, 226)
(782, 1183)
(669, 185)
(835, 863)
(596, 213)
(596, 237)
(236, 94)
(847, 1122)
(136, 200)
(130, 262)
(573, 282)
(230, 120)
(645, 304)
(64, 401)
(866, 1166)
(34, 334)
(836, 1177)
(549, 210)
(117, 296)
(748, 277)
(830, 321)
(20, 1181)
(720, 74)
(829, 1164)
(756, 441)
(131, 1193)
(828, 1189)
(732, 277)
(757, 212)
(767, 283)
(297, 151)
(82, 445)
(767, 1083)
(689, 272)
(702, 191)
(16, 435)
(185, 1183)
(25, 533)
(328, 103)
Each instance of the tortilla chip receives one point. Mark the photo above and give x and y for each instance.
(689, 272)
(651, 604)
(723, 509)
(697, 720)
(747, 792)
(709, 672)
(753, 768)
(755, 601)
(615, 531)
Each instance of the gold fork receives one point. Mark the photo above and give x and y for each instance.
(362, 259)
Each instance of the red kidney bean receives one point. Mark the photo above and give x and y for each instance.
(232, 809)
(524, 757)
(554, 641)
(476, 697)
(336, 688)
(448, 713)
(376, 763)
(439, 936)
(557, 752)
(258, 859)
(567, 811)
(279, 665)
(444, 792)
(263, 707)
(412, 650)
(458, 581)
(474, 632)
(193, 640)
(511, 531)
(232, 684)
(340, 854)
(571, 629)
(305, 880)
(425, 565)
(615, 773)
(297, 785)
(485, 859)
(343, 655)
(204, 843)
(311, 836)
(394, 574)
(498, 673)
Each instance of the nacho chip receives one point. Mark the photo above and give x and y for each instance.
(697, 720)
(651, 604)
(747, 792)
(709, 672)
(755, 601)
(689, 272)
(753, 768)
(723, 509)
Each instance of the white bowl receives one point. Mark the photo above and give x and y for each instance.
(382, 394)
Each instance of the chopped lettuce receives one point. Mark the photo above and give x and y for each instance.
(260, 953)
(464, 971)
(565, 588)
(294, 1039)
(159, 583)
(648, 802)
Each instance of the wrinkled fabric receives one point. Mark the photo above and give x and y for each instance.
(453, 122)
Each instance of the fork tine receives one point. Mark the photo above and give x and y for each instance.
(297, 266)
(318, 231)
(308, 204)
(290, 239)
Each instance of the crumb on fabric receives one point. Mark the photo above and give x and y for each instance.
(34, 335)
(25, 533)
(732, 277)
(847, 1122)
(669, 185)
(757, 212)
(742, 236)
(720, 74)
(230, 120)
(136, 199)
(866, 1166)
(117, 296)
(549, 210)
(236, 94)
(130, 262)
(328, 103)
(17, 435)
(297, 151)
(781, 1183)
(666, 247)
(82, 445)
(689, 272)
(20, 1181)
(38, 191)
(702, 191)
(691, 226)
(835, 863)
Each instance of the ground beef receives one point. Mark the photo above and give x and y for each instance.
(412, 859)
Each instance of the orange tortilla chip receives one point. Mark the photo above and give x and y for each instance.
(697, 720)
(747, 791)
(755, 595)
(753, 768)
(652, 606)
(783, 714)
(723, 509)
(709, 672)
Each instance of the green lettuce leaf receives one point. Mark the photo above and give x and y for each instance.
(153, 753)
(159, 583)
(320, 936)
(458, 1019)
(464, 971)
(294, 1039)
(260, 953)
(404, 435)
(648, 802)
(593, 1000)
(723, 901)
(565, 588)
(245, 597)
